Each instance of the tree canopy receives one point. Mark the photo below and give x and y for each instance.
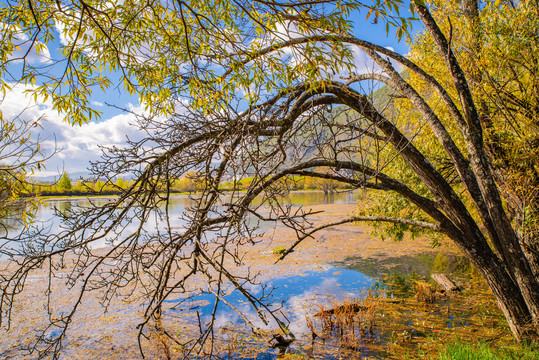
(271, 91)
(65, 181)
(20, 156)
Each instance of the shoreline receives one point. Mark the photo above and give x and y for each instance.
(116, 194)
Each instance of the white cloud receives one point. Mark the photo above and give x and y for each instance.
(80, 144)
(76, 145)
(360, 62)
(97, 103)
(25, 47)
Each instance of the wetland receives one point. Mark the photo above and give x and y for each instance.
(339, 268)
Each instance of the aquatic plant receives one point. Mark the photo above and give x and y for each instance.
(279, 250)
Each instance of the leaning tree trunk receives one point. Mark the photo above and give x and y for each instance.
(506, 291)
(489, 204)
(517, 182)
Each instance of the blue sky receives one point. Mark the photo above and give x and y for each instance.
(77, 145)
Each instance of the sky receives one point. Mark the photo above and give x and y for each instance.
(77, 145)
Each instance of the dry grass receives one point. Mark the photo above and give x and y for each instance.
(343, 326)
(426, 292)
(414, 327)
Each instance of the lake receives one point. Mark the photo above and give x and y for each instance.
(342, 264)
(45, 213)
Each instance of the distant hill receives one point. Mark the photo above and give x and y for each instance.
(311, 136)
(53, 178)
(305, 140)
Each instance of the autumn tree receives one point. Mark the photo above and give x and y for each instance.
(64, 182)
(243, 91)
(121, 183)
(20, 156)
(498, 52)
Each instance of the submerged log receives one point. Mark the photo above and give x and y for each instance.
(445, 283)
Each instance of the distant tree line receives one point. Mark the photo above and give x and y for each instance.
(189, 183)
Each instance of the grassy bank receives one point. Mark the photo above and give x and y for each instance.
(483, 351)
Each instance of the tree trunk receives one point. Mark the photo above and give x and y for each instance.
(520, 302)
(506, 291)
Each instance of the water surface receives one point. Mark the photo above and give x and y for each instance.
(298, 297)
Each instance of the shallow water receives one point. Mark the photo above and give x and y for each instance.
(46, 212)
(300, 295)
(317, 288)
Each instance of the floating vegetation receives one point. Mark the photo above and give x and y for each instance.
(279, 250)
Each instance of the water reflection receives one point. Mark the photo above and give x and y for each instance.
(46, 215)
(398, 274)
(298, 297)
(316, 287)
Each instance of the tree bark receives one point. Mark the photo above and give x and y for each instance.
(507, 292)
